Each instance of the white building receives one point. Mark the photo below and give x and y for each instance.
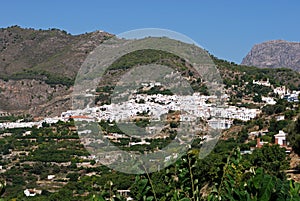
(19, 125)
(139, 143)
(50, 176)
(262, 83)
(32, 192)
(280, 118)
(281, 91)
(219, 123)
(269, 100)
(280, 138)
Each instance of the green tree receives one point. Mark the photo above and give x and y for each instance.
(73, 176)
(272, 159)
(238, 183)
(257, 98)
(294, 136)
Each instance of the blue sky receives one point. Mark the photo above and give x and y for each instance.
(227, 29)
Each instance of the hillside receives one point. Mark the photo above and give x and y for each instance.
(51, 57)
(52, 160)
(29, 53)
(274, 54)
(38, 69)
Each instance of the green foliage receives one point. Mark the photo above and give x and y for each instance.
(73, 176)
(289, 114)
(255, 185)
(157, 90)
(271, 158)
(142, 57)
(103, 99)
(257, 89)
(9, 118)
(143, 123)
(257, 98)
(110, 127)
(275, 126)
(190, 178)
(294, 136)
(49, 78)
(174, 124)
(243, 135)
(141, 189)
(278, 108)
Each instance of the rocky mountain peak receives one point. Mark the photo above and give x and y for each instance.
(274, 54)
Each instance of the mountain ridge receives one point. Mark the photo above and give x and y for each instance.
(38, 69)
(47, 50)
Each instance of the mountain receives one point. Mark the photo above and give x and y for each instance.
(38, 69)
(274, 54)
(24, 52)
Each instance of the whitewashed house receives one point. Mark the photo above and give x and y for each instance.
(280, 138)
(220, 123)
(268, 100)
(262, 83)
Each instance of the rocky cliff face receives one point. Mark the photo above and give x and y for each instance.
(274, 54)
(33, 97)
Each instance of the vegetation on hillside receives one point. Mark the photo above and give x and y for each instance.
(223, 175)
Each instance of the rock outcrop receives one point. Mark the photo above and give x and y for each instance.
(274, 54)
